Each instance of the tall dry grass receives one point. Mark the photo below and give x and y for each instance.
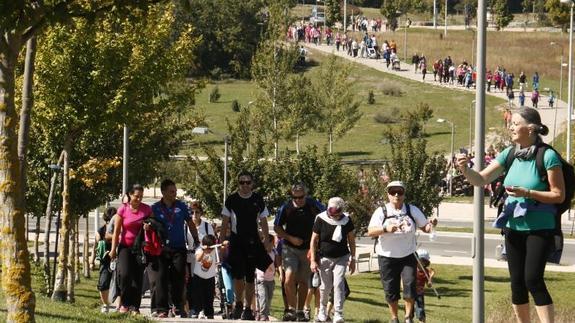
(515, 51)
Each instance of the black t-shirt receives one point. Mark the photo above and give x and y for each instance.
(328, 247)
(299, 221)
(244, 213)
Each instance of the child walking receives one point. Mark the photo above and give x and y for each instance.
(265, 283)
(423, 273)
(204, 281)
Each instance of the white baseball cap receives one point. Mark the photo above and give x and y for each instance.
(395, 184)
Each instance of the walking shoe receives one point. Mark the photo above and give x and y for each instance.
(104, 309)
(395, 320)
(247, 315)
(237, 313)
(290, 315)
(321, 316)
(338, 318)
(408, 320)
(301, 317)
(306, 314)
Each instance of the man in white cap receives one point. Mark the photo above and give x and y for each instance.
(333, 233)
(395, 225)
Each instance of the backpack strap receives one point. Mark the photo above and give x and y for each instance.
(206, 227)
(385, 217)
(510, 158)
(540, 163)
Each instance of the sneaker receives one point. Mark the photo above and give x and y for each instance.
(290, 315)
(395, 320)
(338, 318)
(237, 313)
(300, 316)
(104, 309)
(408, 320)
(193, 315)
(306, 314)
(247, 315)
(321, 316)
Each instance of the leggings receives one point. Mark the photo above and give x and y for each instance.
(526, 258)
(130, 276)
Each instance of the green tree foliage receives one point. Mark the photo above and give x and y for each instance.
(229, 31)
(558, 13)
(332, 12)
(393, 9)
(93, 77)
(335, 99)
(503, 15)
(302, 114)
(409, 162)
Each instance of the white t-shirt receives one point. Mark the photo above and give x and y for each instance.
(401, 243)
(202, 229)
(206, 267)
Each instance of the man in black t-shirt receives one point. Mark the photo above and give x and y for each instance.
(333, 232)
(243, 210)
(294, 223)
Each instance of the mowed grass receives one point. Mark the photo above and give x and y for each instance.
(454, 283)
(364, 141)
(86, 307)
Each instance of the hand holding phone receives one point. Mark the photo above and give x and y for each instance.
(511, 188)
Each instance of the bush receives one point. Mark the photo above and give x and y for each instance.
(385, 118)
(370, 97)
(216, 73)
(236, 107)
(392, 90)
(215, 95)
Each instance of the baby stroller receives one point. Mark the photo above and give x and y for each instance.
(396, 64)
(224, 306)
(372, 53)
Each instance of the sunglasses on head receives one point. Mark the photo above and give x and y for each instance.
(245, 182)
(395, 191)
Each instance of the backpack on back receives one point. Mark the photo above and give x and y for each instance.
(568, 177)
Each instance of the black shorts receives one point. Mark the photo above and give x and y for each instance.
(105, 275)
(392, 270)
(242, 257)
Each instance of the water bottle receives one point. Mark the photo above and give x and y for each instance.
(113, 265)
(315, 281)
(432, 234)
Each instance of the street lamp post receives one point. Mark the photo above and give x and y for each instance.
(445, 31)
(56, 169)
(570, 81)
(434, 14)
(470, 123)
(560, 93)
(451, 156)
(344, 16)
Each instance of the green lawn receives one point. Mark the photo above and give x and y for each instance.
(454, 284)
(364, 141)
(85, 309)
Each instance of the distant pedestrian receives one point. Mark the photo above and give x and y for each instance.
(535, 98)
(536, 81)
(103, 247)
(551, 99)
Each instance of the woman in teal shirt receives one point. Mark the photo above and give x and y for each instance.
(530, 210)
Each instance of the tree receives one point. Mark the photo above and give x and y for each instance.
(393, 9)
(332, 13)
(302, 114)
(410, 163)
(503, 15)
(335, 99)
(558, 13)
(91, 75)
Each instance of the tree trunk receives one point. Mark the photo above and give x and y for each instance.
(59, 293)
(77, 258)
(24, 130)
(48, 227)
(36, 240)
(297, 143)
(71, 268)
(87, 248)
(330, 143)
(16, 283)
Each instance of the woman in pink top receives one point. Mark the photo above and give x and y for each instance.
(127, 224)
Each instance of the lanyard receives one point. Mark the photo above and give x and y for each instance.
(168, 214)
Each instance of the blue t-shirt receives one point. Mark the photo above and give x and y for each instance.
(174, 219)
(524, 173)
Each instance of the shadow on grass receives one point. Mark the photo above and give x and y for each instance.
(309, 64)
(353, 153)
(365, 300)
(495, 279)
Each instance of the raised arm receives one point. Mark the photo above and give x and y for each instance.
(483, 177)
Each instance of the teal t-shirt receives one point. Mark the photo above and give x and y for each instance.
(524, 173)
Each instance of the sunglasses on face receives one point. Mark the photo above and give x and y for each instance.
(245, 182)
(395, 191)
(298, 197)
(333, 211)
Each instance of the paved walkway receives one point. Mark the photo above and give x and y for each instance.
(407, 71)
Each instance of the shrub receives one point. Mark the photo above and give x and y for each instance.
(385, 118)
(215, 94)
(370, 97)
(216, 73)
(236, 107)
(392, 90)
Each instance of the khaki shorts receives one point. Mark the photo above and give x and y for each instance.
(295, 260)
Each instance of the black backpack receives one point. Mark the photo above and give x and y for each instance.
(568, 177)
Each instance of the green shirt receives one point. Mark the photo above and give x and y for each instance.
(523, 173)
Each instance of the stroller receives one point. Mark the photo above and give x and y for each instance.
(395, 65)
(224, 306)
(372, 53)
